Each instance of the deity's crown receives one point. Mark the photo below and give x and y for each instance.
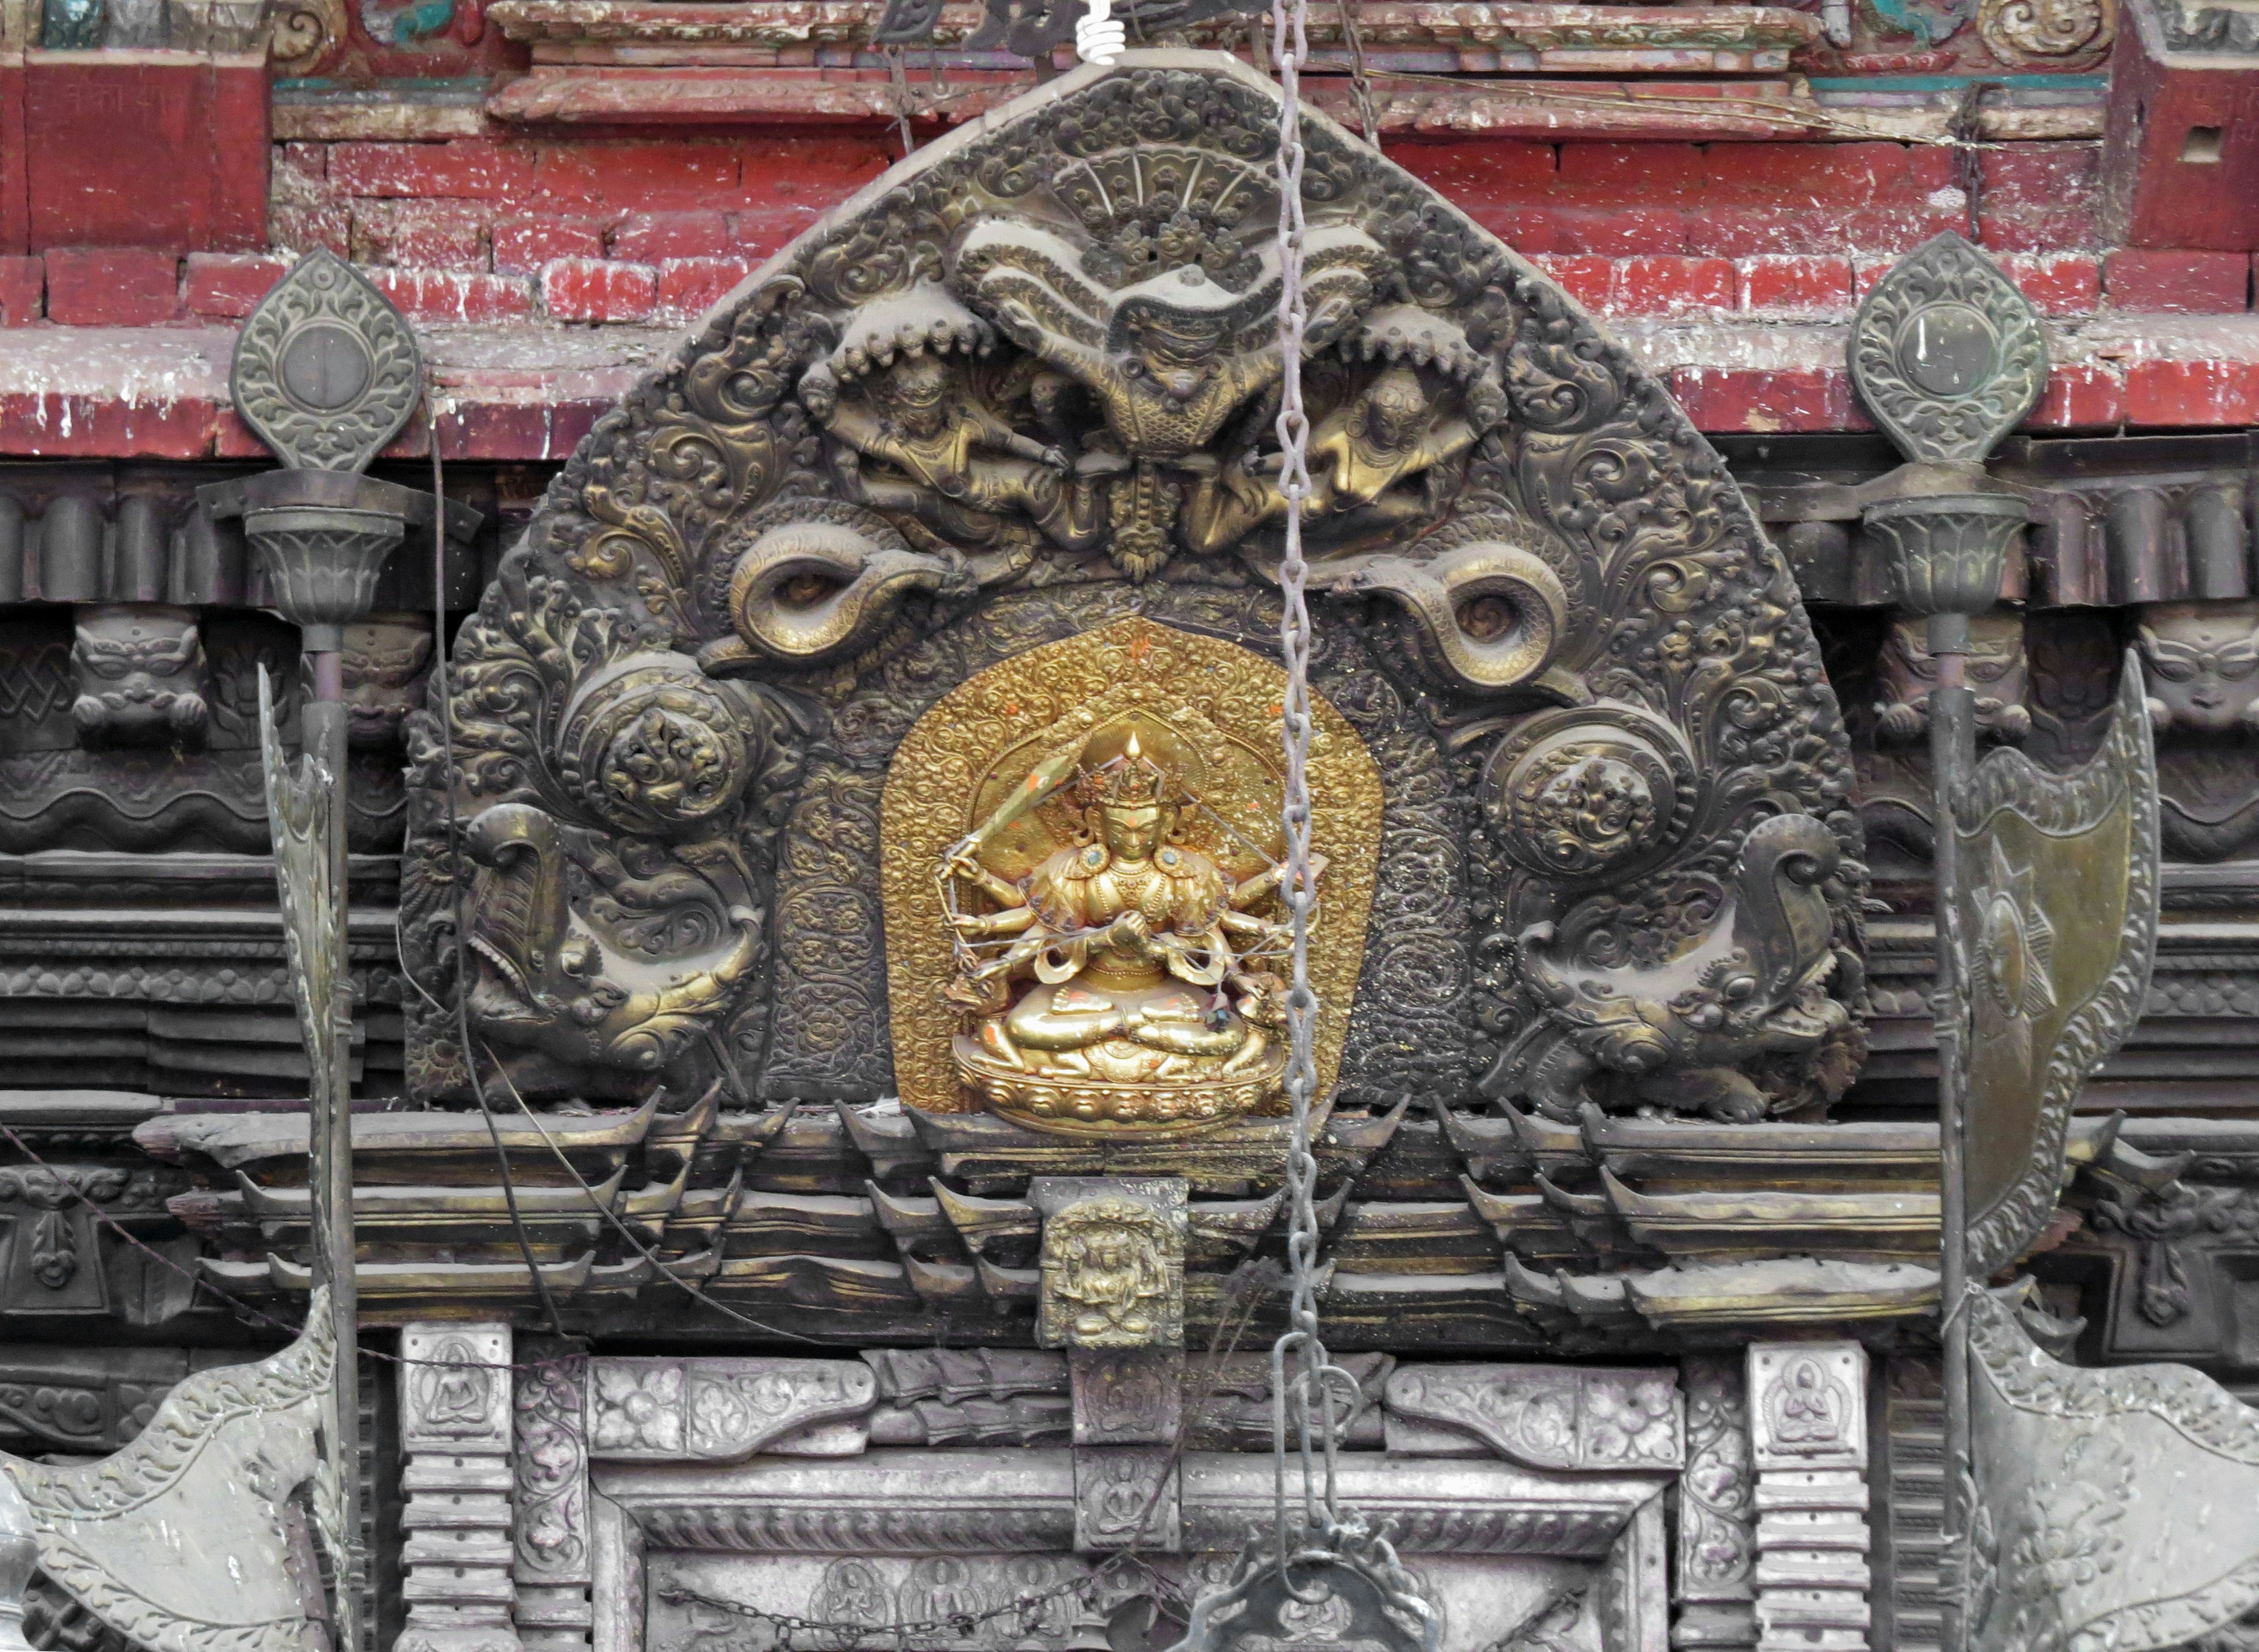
(1129, 781)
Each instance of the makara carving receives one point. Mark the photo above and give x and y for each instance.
(980, 482)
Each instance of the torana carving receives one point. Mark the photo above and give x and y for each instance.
(980, 482)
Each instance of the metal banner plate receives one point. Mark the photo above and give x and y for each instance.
(2117, 1508)
(2060, 907)
(188, 1539)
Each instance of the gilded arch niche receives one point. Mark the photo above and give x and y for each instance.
(1022, 389)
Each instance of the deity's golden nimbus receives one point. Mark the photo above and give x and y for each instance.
(1124, 980)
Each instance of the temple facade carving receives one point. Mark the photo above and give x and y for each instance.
(803, 1025)
(938, 567)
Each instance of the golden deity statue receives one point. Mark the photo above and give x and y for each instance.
(1121, 982)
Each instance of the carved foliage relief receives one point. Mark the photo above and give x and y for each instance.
(1022, 389)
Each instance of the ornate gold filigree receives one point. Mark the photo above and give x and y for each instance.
(1220, 705)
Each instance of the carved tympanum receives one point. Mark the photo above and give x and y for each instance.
(981, 478)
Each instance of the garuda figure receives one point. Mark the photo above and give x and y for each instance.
(1119, 982)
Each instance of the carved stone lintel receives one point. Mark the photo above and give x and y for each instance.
(1113, 1261)
(1127, 1396)
(1550, 1416)
(925, 1501)
(1808, 1440)
(1127, 1497)
(717, 1410)
(455, 1425)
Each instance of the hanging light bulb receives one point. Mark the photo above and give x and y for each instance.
(1098, 37)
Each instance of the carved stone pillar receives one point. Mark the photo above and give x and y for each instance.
(455, 1418)
(1808, 1441)
(1717, 1510)
(550, 1512)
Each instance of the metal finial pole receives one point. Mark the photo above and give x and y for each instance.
(323, 724)
(325, 372)
(1952, 754)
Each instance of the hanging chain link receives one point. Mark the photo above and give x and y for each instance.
(1290, 51)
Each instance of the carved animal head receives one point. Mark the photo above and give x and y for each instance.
(140, 671)
(2201, 661)
(1752, 987)
(384, 662)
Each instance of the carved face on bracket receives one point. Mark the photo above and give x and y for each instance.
(2201, 664)
(1998, 671)
(139, 672)
(384, 661)
(915, 394)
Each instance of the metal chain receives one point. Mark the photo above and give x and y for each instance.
(1290, 51)
(847, 1635)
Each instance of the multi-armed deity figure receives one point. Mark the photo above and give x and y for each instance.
(1126, 988)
